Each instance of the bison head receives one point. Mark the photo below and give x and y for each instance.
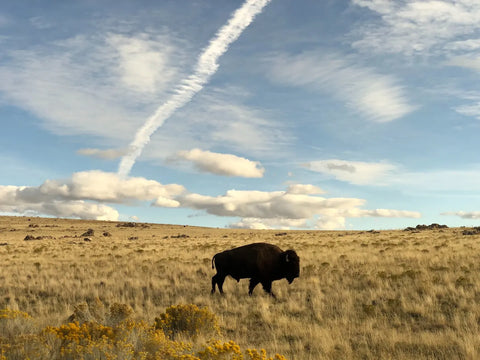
(291, 263)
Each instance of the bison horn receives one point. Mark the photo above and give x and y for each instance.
(286, 257)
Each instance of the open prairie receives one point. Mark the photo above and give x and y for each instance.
(361, 294)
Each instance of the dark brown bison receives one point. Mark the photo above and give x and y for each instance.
(260, 262)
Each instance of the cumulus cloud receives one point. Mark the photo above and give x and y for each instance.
(84, 195)
(108, 154)
(221, 164)
(354, 172)
(105, 186)
(263, 224)
(305, 189)
(69, 208)
(87, 195)
(284, 209)
(376, 96)
(473, 215)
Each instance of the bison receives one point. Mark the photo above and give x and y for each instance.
(260, 262)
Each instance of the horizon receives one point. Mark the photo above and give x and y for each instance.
(230, 228)
(334, 115)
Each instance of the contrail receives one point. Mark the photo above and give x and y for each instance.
(206, 66)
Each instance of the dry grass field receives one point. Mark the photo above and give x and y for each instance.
(360, 295)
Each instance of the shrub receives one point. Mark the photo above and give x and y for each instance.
(124, 338)
(189, 320)
(17, 336)
(128, 340)
(231, 351)
(14, 322)
(118, 313)
(219, 351)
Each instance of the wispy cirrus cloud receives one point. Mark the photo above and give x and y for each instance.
(471, 215)
(378, 97)
(354, 172)
(107, 79)
(427, 181)
(220, 164)
(221, 118)
(417, 27)
(206, 66)
(107, 154)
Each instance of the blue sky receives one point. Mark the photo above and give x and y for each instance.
(337, 114)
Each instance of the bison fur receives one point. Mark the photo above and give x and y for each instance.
(262, 263)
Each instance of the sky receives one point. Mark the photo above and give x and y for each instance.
(334, 114)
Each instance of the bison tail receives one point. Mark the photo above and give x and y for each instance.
(213, 261)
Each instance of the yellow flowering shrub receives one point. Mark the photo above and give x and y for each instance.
(255, 355)
(221, 351)
(189, 320)
(124, 338)
(18, 338)
(14, 322)
(218, 350)
(13, 314)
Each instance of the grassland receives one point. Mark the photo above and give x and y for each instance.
(360, 295)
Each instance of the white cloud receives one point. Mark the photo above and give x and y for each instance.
(354, 172)
(206, 66)
(70, 208)
(284, 209)
(331, 222)
(84, 193)
(304, 189)
(108, 154)
(464, 45)
(474, 215)
(263, 224)
(442, 181)
(217, 118)
(99, 79)
(469, 110)
(105, 186)
(389, 175)
(166, 202)
(388, 213)
(414, 27)
(221, 164)
(109, 83)
(468, 62)
(143, 64)
(376, 96)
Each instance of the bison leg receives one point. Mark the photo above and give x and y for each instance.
(218, 279)
(253, 283)
(214, 281)
(267, 286)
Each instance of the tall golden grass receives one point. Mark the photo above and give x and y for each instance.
(360, 295)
